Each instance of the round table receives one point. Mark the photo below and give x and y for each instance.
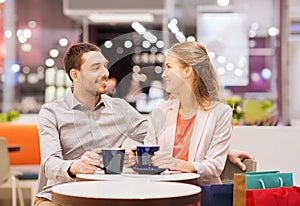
(190, 178)
(125, 193)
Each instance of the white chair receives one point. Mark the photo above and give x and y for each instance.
(28, 178)
(7, 177)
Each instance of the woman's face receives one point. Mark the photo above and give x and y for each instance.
(174, 75)
(93, 74)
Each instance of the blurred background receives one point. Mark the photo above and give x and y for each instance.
(254, 46)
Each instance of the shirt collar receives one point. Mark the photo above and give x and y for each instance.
(74, 103)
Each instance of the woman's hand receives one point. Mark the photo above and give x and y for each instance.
(130, 157)
(163, 159)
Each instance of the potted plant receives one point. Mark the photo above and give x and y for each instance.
(9, 116)
(237, 110)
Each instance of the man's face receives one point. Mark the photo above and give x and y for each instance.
(93, 74)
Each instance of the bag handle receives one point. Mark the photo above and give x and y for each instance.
(281, 181)
(281, 199)
(264, 186)
(262, 183)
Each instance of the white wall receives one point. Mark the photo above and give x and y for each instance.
(274, 148)
(294, 79)
(27, 119)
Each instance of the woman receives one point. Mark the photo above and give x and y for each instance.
(193, 127)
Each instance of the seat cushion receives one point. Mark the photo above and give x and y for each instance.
(28, 176)
(26, 172)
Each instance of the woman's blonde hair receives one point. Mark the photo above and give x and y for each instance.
(205, 85)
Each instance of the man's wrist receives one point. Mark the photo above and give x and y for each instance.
(70, 173)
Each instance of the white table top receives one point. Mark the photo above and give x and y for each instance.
(125, 193)
(169, 177)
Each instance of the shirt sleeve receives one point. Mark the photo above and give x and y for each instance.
(51, 150)
(138, 124)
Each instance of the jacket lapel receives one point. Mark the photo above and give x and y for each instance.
(198, 132)
(168, 136)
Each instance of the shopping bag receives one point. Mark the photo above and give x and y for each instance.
(282, 196)
(258, 180)
(216, 195)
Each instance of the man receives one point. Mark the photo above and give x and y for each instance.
(71, 129)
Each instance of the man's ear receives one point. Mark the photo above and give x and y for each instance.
(74, 74)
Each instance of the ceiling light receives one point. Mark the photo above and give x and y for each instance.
(150, 37)
(102, 18)
(138, 27)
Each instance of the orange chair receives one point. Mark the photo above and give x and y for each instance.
(26, 136)
(26, 161)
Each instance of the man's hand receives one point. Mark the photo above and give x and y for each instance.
(87, 164)
(236, 157)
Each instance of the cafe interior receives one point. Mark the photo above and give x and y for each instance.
(253, 45)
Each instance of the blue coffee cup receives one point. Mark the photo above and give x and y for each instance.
(113, 160)
(144, 155)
